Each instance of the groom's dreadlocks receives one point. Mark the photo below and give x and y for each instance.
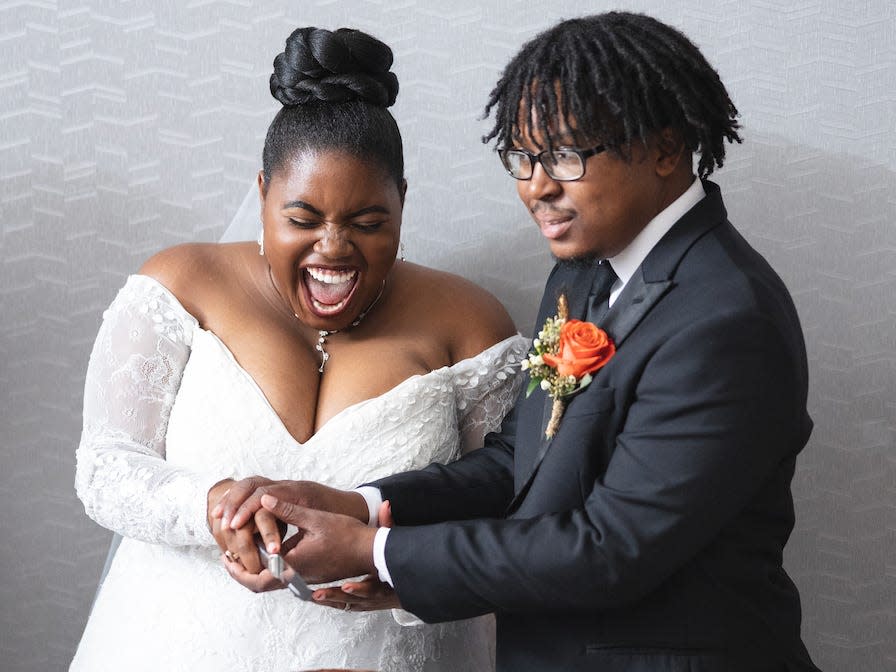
(614, 78)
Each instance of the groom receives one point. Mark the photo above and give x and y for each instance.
(647, 533)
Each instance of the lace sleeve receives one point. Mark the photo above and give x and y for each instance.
(486, 388)
(132, 379)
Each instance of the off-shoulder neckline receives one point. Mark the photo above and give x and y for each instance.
(460, 365)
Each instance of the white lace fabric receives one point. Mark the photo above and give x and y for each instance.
(132, 380)
(168, 412)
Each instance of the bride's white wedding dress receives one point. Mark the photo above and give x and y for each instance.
(168, 412)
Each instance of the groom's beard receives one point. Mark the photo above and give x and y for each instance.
(577, 263)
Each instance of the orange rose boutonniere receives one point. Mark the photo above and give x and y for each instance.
(565, 355)
(584, 348)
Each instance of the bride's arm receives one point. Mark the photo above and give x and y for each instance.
(132, 380)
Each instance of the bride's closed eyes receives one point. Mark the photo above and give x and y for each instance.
(367, 227)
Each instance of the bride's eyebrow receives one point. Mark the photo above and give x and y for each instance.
(357, 213)
(364, 211)
(305, 206)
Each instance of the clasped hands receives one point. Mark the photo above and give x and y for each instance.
(333, 540)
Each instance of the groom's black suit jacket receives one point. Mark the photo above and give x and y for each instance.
(648, 534)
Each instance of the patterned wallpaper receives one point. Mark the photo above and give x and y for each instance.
(129, 127)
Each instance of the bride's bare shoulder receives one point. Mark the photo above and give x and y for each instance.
(196, 273)
(470, 316)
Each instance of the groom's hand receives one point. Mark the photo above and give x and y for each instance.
(242, 503)
(329, 546)
(369, 594)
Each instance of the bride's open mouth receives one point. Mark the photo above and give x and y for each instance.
(329, 290)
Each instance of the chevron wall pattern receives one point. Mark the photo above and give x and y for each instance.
(127, 127)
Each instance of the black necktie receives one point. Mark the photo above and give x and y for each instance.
(599, 297)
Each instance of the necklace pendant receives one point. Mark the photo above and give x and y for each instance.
(324, 356)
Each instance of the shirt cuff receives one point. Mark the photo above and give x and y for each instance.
(374, 501)
(379, 555)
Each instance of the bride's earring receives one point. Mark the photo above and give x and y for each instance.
(401, 251)
(261, 241)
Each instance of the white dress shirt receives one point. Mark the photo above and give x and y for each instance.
(624, 265)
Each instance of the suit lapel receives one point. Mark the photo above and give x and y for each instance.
(633, 304)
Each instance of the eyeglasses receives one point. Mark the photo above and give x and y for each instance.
(563, 164)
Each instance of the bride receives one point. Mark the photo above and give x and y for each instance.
(311, 355)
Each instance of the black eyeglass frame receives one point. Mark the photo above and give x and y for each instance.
(583, 154)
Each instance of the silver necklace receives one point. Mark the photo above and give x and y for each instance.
(324, 333)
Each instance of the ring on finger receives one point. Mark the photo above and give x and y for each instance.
(231, 556)
(347, 607)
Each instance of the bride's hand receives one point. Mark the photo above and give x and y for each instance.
(260, 582)
(242, 503)
(238, 545)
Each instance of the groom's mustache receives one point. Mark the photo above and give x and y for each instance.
(542, 208)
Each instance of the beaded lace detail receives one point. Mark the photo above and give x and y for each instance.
(168, 412)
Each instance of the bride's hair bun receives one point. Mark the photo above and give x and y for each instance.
(334, 67)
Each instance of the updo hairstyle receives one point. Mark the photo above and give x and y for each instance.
(335, 88)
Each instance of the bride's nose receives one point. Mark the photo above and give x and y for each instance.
(333, 242)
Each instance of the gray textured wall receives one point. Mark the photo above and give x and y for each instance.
(128, 127)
